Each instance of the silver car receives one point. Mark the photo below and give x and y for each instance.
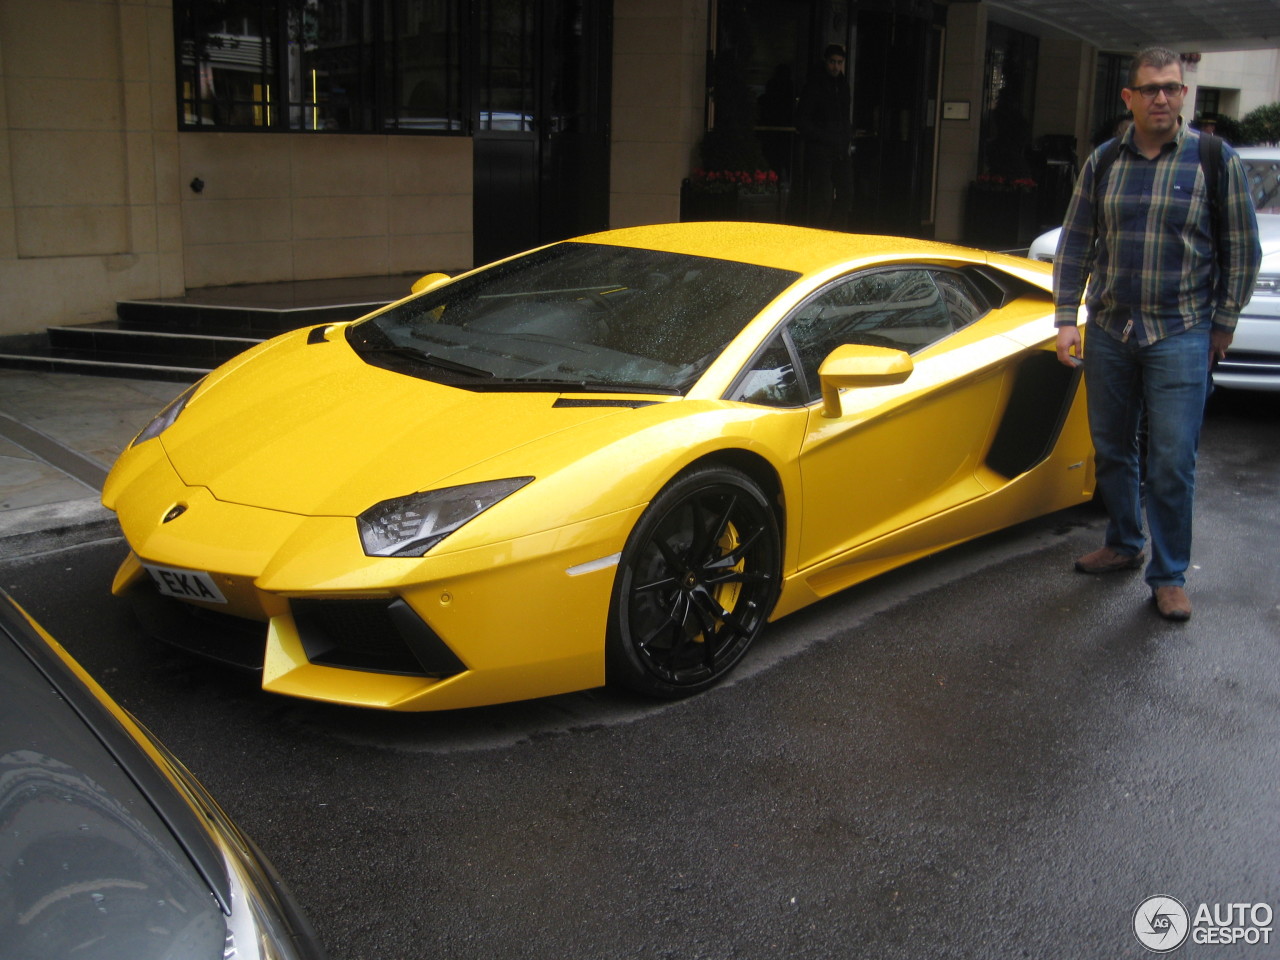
(1253, 363)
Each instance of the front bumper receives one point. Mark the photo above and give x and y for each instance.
(1253, 362)
(508, 621)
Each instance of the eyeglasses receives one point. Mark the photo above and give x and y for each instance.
(1149, 91)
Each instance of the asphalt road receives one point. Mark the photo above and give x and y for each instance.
(984, 755)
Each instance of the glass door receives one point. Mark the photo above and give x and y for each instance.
(541, 122)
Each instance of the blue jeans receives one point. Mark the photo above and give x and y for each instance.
(1169, 380)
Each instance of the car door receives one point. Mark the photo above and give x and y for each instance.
(898, 454)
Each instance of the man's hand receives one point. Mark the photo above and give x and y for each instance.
(1069, 347)
(1219, 340)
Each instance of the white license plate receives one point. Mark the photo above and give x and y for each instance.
(185, 584)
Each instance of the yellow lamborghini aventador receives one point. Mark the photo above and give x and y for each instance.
(611, 459)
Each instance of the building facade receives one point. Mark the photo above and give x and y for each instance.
(149, 147)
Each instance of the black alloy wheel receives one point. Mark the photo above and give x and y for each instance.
(695, 585)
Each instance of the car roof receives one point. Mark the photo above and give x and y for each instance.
(800, 249)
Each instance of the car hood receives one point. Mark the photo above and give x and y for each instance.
(80, 829)
(309, 428)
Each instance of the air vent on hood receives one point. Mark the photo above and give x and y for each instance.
(603, 402)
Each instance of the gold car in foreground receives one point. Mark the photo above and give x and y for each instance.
(611, 459)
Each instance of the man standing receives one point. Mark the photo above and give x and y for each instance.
(824, 122)
(1168, 269)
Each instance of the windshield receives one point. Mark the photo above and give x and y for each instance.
(1263, 185)
(573, 316)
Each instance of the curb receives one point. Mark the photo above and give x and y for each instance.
(28, 531)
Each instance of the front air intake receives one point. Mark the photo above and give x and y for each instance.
(382, 636)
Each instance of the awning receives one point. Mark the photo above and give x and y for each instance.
(1119, 26)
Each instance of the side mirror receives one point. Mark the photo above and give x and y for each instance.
(860, 366)
(428, 281)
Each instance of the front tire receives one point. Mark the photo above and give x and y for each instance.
(695, 584)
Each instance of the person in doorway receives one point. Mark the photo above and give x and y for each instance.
(823, 121)
(1164, 270)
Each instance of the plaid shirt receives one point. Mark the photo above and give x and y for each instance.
(1153, 270)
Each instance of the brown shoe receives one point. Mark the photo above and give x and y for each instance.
(1107, 560)
(1171, 603)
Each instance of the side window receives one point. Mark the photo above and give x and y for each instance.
(771, 379)
(1264, 184)
(899, 309)
(964, 303)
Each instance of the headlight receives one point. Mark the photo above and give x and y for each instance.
(163, 420)
(1267, 285)
(410, 526)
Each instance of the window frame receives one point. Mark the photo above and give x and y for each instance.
(380, 72)
(975, 280)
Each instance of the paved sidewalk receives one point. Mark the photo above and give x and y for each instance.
(60, 432)
(59, 435)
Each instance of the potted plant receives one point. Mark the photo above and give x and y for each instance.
(732, 180)
(731, 195)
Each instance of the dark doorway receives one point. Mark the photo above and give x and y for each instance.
(895, 70)
(541, 147)
(894, 49)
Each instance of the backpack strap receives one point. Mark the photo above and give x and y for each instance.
(1107, 154)
(1211, 164)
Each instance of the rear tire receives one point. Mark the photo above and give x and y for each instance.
(695, 585)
